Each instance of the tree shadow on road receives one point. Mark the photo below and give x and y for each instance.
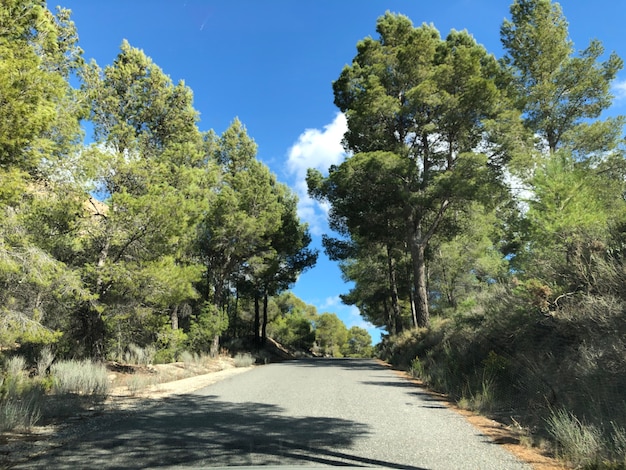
(342, 362)
(193, 430)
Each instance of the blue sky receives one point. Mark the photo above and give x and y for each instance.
(271, 63)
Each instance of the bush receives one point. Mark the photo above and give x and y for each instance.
(79, 377)
(170, 344)
(14, 378)
(136, 383)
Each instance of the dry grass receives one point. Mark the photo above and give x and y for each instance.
(244, 360)
(79, 377)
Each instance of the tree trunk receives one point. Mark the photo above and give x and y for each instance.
(393, 287)
(418, 259)
(174, 318)
(234, 324)
(215, 345)
(257, 319)
(411, 296)
(264, 324)
(93, 331)
(413, 309)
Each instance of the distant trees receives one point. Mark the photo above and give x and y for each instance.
(300, 327)
(251, 238)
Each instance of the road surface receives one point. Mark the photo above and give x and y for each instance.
(315, 412)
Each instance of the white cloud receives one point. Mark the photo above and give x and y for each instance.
(332, 302)
(619, 90)
(317, 149)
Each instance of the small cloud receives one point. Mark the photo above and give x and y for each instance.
(317, 149)
(619, 90)
(332, 302)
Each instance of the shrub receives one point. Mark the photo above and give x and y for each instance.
(79, 377)
(170, 343)
(244, 360)
(417, 369)
(482, 400)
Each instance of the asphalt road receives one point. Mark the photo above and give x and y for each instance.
(309, 412)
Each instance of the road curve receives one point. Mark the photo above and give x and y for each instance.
(314, 412)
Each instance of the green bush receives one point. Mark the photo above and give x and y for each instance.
(210, 323)
(170, 344)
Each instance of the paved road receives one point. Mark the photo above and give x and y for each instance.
(309, 412)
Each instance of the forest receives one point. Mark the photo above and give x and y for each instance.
(480, 216)
(122, 223)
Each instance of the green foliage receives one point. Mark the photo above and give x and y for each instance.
(95, 276)
(358, 344)
(293, 331)
(38, 51)
(169, 345)
(210, 323)
(331, 335)
(402, 92)
(556, 91)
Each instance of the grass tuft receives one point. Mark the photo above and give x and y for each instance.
(20, 398)
(137, 383)
(244, 360)
(577, 442)
(20, 412)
